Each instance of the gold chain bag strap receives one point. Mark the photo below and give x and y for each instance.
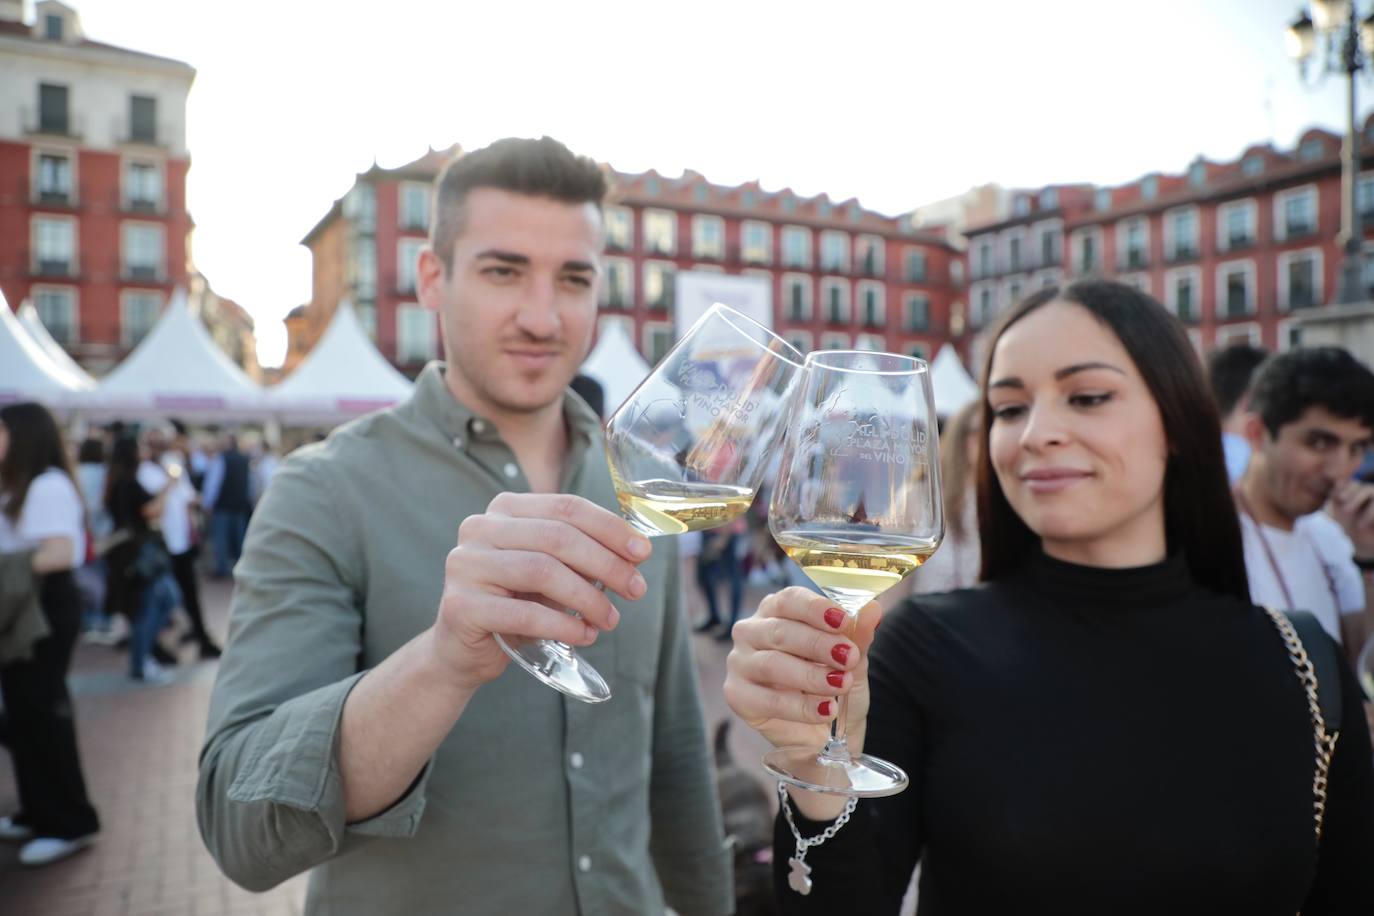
(1324, 743)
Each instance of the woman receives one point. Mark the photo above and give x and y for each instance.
(1106, 725)
(139, 562)
(41, 511)
(955, 564)
(90, 474)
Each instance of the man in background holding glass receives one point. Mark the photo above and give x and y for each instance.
(397, 752)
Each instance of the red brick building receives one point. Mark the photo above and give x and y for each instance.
(841, 276)
(93, 162)
(1238, 250)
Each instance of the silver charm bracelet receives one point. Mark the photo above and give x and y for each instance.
(800, 877)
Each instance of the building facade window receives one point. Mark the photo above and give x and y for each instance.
(1364, 199)
(1296, 213)
(417, 334)
(872, 342)
(916, 312)
(658, 340)
(56, 307)
(414, 209)
(620, 229)
(362, 271)
(142, 247)
(1182, 293)
(756, 242)
(659, 280)
(1049, 199)
(54, 179)
(407, 264)
(1236, 224)
(1182, 243)
(1300, 279)
(1014, 252)
(138, 310)
(868, 251)
(1251, 166)
(1235, 290)
(142, 187)
(796, 247)
(916, 266)
(54, 246)
(834, 340)
(708, 237)
(872, 307)
(918, 350)
(796, 297)
(617, 286)
(660, 232)
(834, 251)
(835, 300)
(1133, 241)
(142, 119)
(982, 265)
(53, 113)
(799, 339)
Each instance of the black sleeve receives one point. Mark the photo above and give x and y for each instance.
(866, 867)
(126, 502)
(1345, 861)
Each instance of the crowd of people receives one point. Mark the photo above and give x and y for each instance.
(1117, 688)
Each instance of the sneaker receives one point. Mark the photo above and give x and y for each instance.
(154, 675)
(209, 650)
(13, 830)
(162, 656)
(46, 850)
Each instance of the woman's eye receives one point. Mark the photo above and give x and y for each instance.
(1008, 412)
(1090, 400)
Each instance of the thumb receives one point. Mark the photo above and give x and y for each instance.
(870, 615)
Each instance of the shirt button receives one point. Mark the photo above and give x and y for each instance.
(479, 426)
(575, 760)
(510, 469)
(584, 863)
(457, 441)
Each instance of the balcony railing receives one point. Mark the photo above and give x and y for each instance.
(1239, 242)
(54, 267)
(1297, 230)
(52, 125)
(143, 273)
(1183, 253)
(1135, 259)
(145, 206)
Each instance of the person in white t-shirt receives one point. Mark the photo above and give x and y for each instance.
(41, 512)
(1310, 425)
(164, 472)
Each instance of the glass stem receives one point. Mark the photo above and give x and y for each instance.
(836, 750)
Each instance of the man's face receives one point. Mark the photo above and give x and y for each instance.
(519, 304)
(1306, 460)
(157, 444)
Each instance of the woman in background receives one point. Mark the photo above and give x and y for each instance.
(41, 512)
(955, 564)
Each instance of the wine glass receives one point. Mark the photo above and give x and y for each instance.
(857, 506)
(687, 450)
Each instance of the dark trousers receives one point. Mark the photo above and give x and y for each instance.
(184, 571)
(226, 536)
(42, 727)
(712, 566)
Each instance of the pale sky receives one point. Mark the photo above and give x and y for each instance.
(896, 103)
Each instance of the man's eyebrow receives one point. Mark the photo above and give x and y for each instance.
(580, 266)
(508, 257)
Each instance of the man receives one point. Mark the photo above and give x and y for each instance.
(1310, 425)
(228, 499)
(165, 472)
(1230, 369)
(394, 750)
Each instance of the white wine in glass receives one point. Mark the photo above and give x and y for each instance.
(857, 506)
(687, 450)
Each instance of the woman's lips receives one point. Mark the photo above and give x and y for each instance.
(1052, 480)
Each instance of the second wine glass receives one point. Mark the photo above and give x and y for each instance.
(857, 506)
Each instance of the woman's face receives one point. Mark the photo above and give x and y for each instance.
(1077, 441)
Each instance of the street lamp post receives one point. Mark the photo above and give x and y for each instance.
(1334, 40)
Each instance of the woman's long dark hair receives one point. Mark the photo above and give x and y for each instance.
(35, 446)
(124, 461)
(1200, 520)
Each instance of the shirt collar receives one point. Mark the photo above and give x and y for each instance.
(432, 399)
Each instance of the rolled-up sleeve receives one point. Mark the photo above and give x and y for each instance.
(269, 801)
(687, 837)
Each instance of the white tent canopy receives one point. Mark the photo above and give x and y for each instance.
(343, 376)
(27, 373)
(954, 387)
(616, 364)
(176, 370)
(28, 317)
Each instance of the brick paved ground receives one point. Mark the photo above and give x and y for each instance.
(139, 747)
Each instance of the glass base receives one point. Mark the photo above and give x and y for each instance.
(560, 667)
(808, 768)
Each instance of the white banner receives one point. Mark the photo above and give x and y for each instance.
(697, 291)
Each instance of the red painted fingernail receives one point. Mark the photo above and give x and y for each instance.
(835, 617)
(824, 709)
(840, 654)
(835, 679)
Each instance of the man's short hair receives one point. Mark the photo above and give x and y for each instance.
(1326, 377)
(1230, 370)
(539, 168)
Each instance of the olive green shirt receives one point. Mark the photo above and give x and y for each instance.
(534, 803)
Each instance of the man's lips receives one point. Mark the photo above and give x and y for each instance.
(1052, 480)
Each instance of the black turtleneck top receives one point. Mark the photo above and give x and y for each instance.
(1095, 741)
